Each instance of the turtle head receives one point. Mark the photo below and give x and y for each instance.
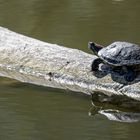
(94, 47)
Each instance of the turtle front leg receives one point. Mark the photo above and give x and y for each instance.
(95, 64)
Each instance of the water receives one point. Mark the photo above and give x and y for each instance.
(38, 113)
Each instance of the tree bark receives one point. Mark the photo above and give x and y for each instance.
(32, 61)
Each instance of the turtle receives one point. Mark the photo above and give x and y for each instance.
(122, 56)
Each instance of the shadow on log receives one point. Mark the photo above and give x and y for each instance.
(33, 61)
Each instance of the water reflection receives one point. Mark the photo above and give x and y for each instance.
(115, 108)
(115, 114)
(117, 0)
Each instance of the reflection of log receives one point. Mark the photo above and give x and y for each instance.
(33, 61)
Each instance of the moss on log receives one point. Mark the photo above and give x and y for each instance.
(32, 61)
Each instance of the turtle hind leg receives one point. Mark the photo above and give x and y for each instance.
(95, 64)
(130, 75)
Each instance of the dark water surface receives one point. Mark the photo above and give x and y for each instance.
(30, 112)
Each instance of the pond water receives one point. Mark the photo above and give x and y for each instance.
(29, 112)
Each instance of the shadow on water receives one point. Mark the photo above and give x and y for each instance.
(115, 110)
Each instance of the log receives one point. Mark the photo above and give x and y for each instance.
(32, 61)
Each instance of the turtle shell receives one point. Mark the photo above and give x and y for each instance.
(121, 53)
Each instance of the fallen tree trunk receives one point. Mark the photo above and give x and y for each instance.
(33, 61)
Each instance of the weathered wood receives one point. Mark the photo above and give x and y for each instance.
(33, 61)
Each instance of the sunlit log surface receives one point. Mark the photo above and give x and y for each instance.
(32, 61)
